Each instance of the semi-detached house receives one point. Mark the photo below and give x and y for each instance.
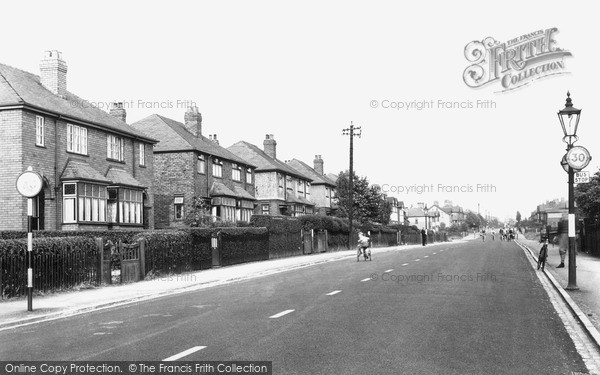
(97, 170)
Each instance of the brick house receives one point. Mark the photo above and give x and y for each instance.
(322, 189)
(189, 166)
(280, 189)
(97, 170)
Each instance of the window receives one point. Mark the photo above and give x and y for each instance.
(130, 206)
(265, 209)
(307, 190)
(301, 188)
(114, 147)
(236, 173)
(84, 202)
(178, 207)
(142, 154)
(217, 169)
(326, 192)
(39, 130)
(280, 179)
(248, 175)
(76, 139)
(69, 200)
(201, 164)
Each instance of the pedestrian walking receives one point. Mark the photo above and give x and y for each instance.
(543, 255)
(563, 244)
(424, 236)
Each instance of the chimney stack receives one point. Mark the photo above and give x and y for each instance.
(193, 121)
(270, 146)
(318, 164)
(117, 110)
(53, 73)
(213, 137)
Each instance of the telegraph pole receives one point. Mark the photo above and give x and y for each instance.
(352, 131)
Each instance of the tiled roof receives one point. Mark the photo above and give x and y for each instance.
(79, 170)
(305, 201)
(18, 87)
(173, 136)
(241, 193)
(333, 177)
(415, 212)
(119, 176)
(218, 189)
(318, 179)
(263, 161)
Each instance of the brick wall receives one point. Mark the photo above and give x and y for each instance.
(12, 204)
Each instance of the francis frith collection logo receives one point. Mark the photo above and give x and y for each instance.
(514, 63)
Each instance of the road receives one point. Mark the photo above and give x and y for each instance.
(464, 308)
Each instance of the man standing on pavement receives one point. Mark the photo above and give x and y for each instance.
(424, 236)
(563, 244)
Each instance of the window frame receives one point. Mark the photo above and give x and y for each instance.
(77, 139)
(115, 147)
(40, 136)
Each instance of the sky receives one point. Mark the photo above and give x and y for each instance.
(304, 71)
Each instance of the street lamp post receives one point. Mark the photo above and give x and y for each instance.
(352, 131)
(569, 120)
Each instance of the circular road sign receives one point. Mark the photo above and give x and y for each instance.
(29, 184)
(578, 158)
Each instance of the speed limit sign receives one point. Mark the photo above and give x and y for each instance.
(578, 158)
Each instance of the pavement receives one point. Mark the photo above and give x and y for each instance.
(13, 312)
(587, 297)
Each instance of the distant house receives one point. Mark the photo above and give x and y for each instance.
(551, 213)
(322, 189)
(190, 168)
(398, 211)
(280, 189)
(456, 213)
(445, 217)
(422, 217)
(97, 171)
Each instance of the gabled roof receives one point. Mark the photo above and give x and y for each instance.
(173, 136)
(20, 88)
(318, 179)
(264, 162)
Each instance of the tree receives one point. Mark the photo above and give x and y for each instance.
(587, 197)
(369, 201)
(518, 217)
(473, 220)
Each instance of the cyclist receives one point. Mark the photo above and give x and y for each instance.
(363, 244)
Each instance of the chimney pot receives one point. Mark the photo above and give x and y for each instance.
(53, 72)
(318, 165)
(117, 111)
(193, 121)
(270, 146)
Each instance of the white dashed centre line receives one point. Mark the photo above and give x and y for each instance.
(390, 270)
(333, 293)
(184, 353)
(367, 279)
(416, 260)
(426, 256)
(281, 314)
(434, 253)
(405, 264)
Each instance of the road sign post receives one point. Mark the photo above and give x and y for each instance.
(29, 184)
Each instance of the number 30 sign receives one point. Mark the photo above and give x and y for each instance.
(578, 158)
